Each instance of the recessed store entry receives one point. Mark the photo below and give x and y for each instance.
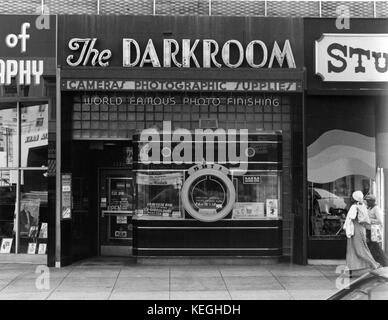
(103, 198)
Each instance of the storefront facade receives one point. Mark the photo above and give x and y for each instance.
(192, 136)
(27, 90)
(181, 135)
(346, 125)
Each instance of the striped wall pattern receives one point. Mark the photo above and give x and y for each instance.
(182, 7)
(71, 6)
(237, 8)
(356, 9)
(382, 9)
(364, 9)
(19, 6)
(293, 8)
(132, 7)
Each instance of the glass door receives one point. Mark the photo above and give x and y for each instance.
(116, 208)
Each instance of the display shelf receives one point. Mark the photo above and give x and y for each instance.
(116, 213)
(145, 217)
(26, 237)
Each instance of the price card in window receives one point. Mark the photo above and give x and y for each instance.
(272, 208)
(248, 210)
(121, 220)
(252, 179)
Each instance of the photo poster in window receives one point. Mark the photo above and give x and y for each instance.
(159, 209)
(120, 194)
(33, 233)
(43, 230)
(158, 206)
(31, 248)
(243, 210)
(29, 215)
(121, 220)
(42, 248)
(128, 152)
(166, 179)
(66, 196)
(6, 245)
(28, 142)
(272, 208)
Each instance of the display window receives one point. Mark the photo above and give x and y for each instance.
(23, 178)
(159, 194)
(7, 210)
(329, 203)
(257, 196)
(33, 226)
(219, 186)
(208, 193)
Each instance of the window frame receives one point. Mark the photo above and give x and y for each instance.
(18, 103)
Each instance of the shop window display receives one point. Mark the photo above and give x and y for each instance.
(159, 194)
(7, 177)
(33, 212)
(329, 202)
(257, 196)
(7, 210)
(23, 188)
(212, 190)
(208, 193)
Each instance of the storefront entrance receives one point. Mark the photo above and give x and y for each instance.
(218, 150)
(174, 212)
(116, 199)
(102, 199)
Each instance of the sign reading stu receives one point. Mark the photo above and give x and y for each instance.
(352, 57)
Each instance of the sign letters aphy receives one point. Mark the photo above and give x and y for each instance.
(25, 71)
(352, 57)
(188, 51)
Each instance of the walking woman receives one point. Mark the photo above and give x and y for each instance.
(358, 256)
(374, 231)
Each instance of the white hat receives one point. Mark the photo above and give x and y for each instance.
(358, 196)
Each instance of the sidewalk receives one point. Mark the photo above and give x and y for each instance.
(120, 281)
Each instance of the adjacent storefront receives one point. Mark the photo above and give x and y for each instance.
(27, 67)
(180, 136)
(346, 121)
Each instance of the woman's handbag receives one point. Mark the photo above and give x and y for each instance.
(376, 235)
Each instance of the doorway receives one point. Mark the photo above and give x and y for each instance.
(102, 199)
(116, 205)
